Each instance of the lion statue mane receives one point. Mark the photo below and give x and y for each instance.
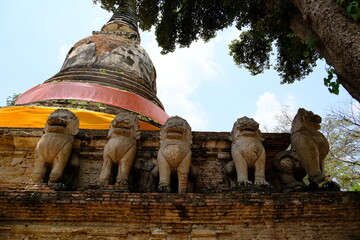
(247, 151)
(54, 149)
(120, 149)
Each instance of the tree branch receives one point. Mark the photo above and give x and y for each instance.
(339, 36)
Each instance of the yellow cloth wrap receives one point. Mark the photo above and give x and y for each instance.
(35, 117)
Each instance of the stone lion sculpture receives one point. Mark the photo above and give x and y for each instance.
(247, 151)
(309, 148)
(54, 149)
(121, 148)
(174, 155)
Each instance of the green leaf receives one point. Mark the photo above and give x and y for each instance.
(306, 54)
(291, 35)
(353, 7)
(355, 16)
(349, 8)
(310, 43)
(333, 86)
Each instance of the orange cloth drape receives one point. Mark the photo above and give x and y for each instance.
(35, 117)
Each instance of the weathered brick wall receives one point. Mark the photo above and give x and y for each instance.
(210, 153)
(93, 211)
(27, 212)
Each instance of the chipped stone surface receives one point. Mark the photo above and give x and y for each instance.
(82, 55)
(16, 161)
(112, 52)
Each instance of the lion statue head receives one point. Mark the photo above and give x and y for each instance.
(62, 121)
(245, 127)
(305, 120)
(125, 124)
(176, 128)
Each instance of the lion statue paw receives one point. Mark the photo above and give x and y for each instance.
(164, 188)
(244, 183)
(327, 185)
(122, 182)
(261, 182)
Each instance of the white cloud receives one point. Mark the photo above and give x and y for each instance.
(231, 33)
(268, 106)
(180, 75)
(291, 102)
(63, 50)
(96, 21)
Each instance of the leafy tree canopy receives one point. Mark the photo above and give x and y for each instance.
(265, 24)
(10, 100)
(342, 129)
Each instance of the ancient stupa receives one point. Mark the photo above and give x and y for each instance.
(102, 75)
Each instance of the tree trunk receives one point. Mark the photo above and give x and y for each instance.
(336, 37)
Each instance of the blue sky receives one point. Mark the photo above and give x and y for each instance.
(200, 83)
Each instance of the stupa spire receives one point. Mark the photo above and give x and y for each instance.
(123, 21)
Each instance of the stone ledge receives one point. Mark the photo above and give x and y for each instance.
(44, 195)
(210, 154)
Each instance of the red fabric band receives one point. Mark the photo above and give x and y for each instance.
(95, 93)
